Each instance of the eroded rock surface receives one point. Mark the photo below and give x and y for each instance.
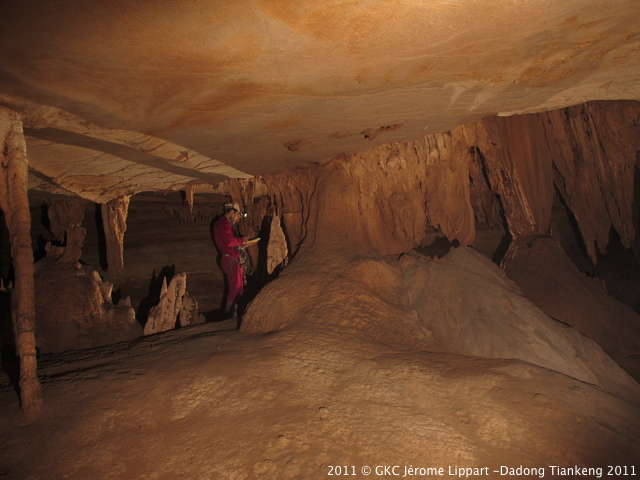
(175, 307)
(258, 88)
(461, 304)
(290, 404)
(74, 309)
(549, 279)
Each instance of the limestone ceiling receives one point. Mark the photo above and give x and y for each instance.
(119, 97)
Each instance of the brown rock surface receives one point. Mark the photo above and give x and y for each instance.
(594, 148)
(114, 221)
(73, 312)
(259, 87)
(463, 304)
(201, 403)
(552, 282)
(411, 116)
(175, 307)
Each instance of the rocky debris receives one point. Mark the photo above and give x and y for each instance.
(114, 221)
(175, 307)
(74, 309)
(547, 277)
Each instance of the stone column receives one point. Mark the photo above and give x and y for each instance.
(15, 204)
(114, 221)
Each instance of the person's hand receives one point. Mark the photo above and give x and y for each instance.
(245, 239)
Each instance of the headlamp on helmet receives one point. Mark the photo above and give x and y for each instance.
(233, 206)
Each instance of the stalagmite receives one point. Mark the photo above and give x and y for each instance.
(188, 314)
(15, 204)
(114, 220)
(172, 307)
(277, 251)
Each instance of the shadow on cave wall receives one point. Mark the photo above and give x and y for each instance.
(260, 276)
(102, 239)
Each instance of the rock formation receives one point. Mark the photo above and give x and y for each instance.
(351, 133)
(463, 304)
(549, 279)
(381, 202)
(65, 220)
(74, 309)
(509, 166)
(175, 307)
(15, 205)
(114, 220)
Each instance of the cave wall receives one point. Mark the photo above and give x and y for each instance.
(500, 172)
(163, 238)
(485, 174)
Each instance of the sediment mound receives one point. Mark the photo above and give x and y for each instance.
(461, 304)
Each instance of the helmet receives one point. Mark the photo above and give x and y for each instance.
(231, 206)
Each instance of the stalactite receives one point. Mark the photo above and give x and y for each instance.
(114, 220)
(519, 166)
(242, 190)
(185, 216)
(594, 148)
(189, 191)
(15, 204)
(447, 185)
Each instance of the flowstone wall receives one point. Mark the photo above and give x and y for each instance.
(358, 214)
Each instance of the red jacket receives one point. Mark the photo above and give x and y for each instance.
(225, 238)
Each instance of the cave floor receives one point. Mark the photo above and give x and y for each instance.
(210, 402)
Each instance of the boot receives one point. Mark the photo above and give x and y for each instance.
(230, 311)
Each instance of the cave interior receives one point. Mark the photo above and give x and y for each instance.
(447, 277)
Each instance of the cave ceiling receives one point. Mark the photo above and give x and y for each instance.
(119, 97)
